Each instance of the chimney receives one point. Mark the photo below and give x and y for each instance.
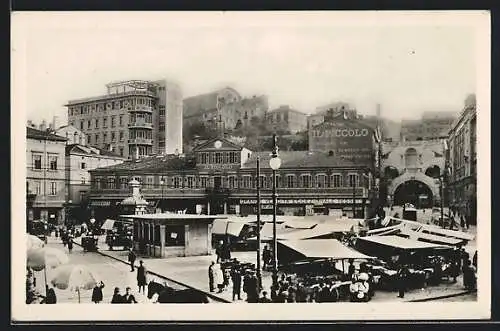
(43, 126)
(55, 122)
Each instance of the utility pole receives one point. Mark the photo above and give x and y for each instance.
(259, 272)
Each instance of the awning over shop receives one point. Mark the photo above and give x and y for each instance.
(100, 203)
(323, 248)
(108, 224)
(318, 231)
(431, 229)
(431, 238)
(232, 227)
(401, 243)
(300, 224)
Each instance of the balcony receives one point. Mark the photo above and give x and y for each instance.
(140, 125)
(142, 109)
(140, 141)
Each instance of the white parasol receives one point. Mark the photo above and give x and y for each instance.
(74, 277)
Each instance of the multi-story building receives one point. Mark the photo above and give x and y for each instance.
(432, 125)
(80, 160)
(73, 135)
(226, 106)
(45, 176)
(136, 118)
(463, 161)
(337, 107)
(219, 177)
(287, 119)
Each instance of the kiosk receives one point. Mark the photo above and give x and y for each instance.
(164, 235)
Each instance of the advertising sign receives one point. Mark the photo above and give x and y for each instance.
(346, 140)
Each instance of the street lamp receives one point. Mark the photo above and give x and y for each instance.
(275, 164)
(162, 182)
(259, 272)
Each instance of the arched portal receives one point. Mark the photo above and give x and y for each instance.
(414, 192)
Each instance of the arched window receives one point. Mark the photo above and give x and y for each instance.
(411, 158)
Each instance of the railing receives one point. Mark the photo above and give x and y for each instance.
(140, 124)
(140, 141)
(142, 109)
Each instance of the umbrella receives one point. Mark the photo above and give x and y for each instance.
(33, 242)
(46, 257)
(75, 277)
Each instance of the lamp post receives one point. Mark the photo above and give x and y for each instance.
(259, 272)
(162, 182)
(275, 164)
(442, 200)
(354, 198)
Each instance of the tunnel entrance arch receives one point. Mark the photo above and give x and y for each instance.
(415, 192)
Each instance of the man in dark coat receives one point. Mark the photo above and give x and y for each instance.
(131, 258)
(97, 293)
(402, 277)
(236, 279)
(129, 297)
(70, 243)
(141, 277)
(264, 298)
(266, 256)
(50, 297)
(252, 294)
(211, 279)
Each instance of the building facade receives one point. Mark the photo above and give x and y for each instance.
(287, 119)
(336, 107)
(135, 118)
(73, 135)
(226, 106)
(432, 125)
(220, 178)
(412, 169)
(45, 176)
(79, 161)
(463, 161)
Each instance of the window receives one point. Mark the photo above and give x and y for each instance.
(353, 180)
(105, 122)
(320, 180)
(89, 124)
(177, 182)
(120, 120)
(104, 137)
(97, 138)
(123, 181)
(113, 121)
(111, 183)
(81, 125)
(218, 157)
(149, 182)
(290, 181)
(53, 162)
(162, 110)
(263, 182)
(96, 123)
(203, 182)
(232, 157)
(82, 180)
(37, 161)
(305, 181)
(278, 181)
(174, 235)
(336, 180)
(83, 165)
(121, 151)
(37, 187)
(247, 181)
(53, 188)
(190, 181)
(113, 136)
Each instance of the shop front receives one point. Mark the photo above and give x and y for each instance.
(306, 207)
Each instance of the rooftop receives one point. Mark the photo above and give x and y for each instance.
(172, 216)
(90, 150)
(32, 133)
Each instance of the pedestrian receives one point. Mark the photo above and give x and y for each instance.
(211, 277)
(402, 277)
(469, 276)
(351, 269)
(117, 297)
(266, 256)
(218, 277)
(97, 292)
(474, 260)
(141, 277)
(236, 279)
(462, 221)
(129, 297)
(50, 296)
(218, 251)
(131, 258)
(70, 244)
(264, 298)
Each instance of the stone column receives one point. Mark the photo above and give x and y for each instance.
(153, 227)
(162, 240)
(186, 239)
(208, 207)
(225, 207)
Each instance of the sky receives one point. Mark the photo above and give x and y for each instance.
(408, 64)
